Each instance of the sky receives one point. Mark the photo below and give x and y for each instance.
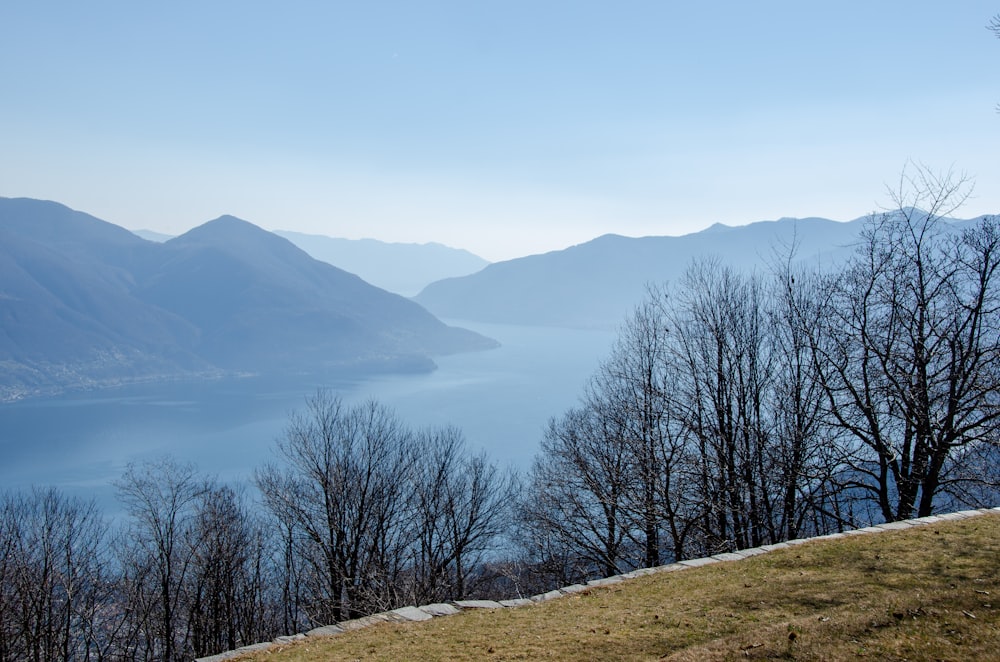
(503, 127)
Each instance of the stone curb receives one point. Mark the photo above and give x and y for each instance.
(477, 604)
(440, 609)
(543, 597)
(415, 614)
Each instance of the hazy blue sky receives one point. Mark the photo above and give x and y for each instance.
(503, 127)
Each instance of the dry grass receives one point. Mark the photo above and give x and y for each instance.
(928, 593)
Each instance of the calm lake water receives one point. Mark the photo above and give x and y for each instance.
(501, 399)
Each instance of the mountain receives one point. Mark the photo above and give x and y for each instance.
(151, 235)
(84, 302)
(401, 268)
(595, 284)
(254, 294)
(67, 311)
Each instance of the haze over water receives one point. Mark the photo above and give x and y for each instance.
(500, 399)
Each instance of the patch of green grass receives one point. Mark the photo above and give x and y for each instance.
(927, 593)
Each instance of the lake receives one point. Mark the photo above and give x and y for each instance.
(501, 399)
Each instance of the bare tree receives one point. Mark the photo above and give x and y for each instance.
(994, 27)
(459, 506)
(574, 509)
(734, 412)
(911, 362)
(723, 396)
(186, 576)
(229, 603)
(802, 451)
(373, 516)
(339, 492)
(703, 431)
(629, 389)
(161, 497)
(53, 577)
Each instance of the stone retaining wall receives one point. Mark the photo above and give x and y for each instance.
(427, 612)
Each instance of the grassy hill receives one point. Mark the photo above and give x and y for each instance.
(926, 593)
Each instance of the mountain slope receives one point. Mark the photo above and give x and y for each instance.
(401, 268)
(85, 302)
(595, 284)
(67, 312)
(254, 294)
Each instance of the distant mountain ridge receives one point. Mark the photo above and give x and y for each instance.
(398, 267)
(85, 302)
(402, 268)
(595, 284)
(152, 235)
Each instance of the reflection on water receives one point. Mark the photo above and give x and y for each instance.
(501, 399)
